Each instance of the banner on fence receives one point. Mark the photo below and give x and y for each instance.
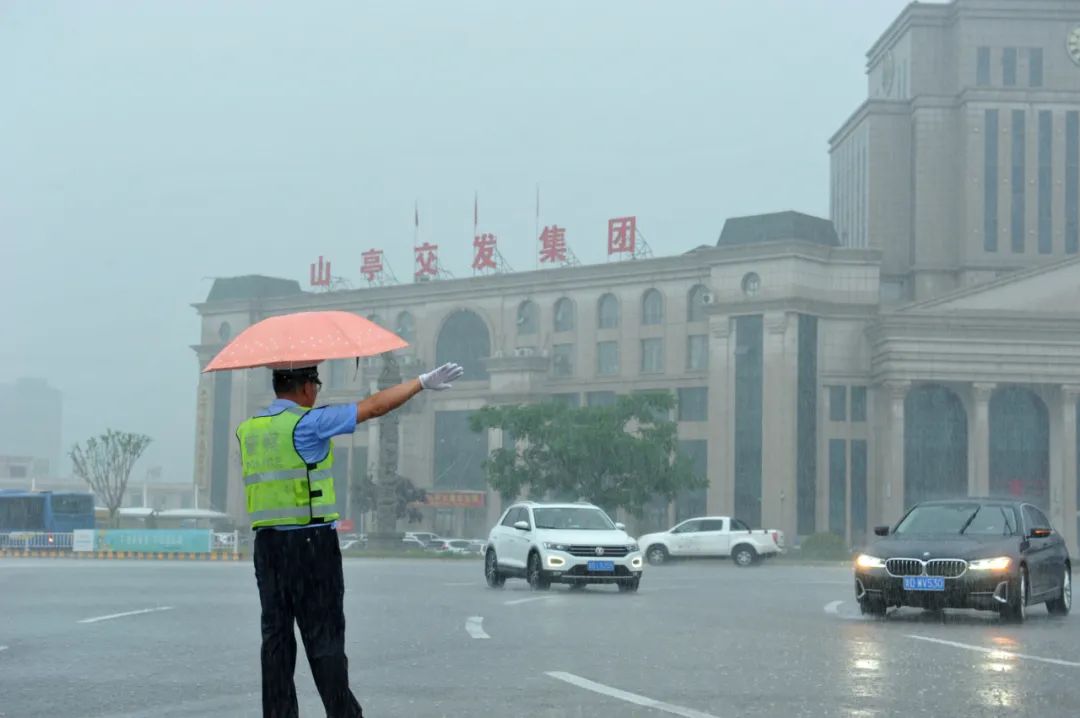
(83, 540)
(154, 540)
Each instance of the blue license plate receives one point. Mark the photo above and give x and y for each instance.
(924, 583)
(602, 566)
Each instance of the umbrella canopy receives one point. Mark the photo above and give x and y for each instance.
(305, 339)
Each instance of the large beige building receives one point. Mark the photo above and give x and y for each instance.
(826, 378)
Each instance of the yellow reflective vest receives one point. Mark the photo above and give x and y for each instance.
(281, 489)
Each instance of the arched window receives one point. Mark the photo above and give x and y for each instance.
(564, 315)
(695, 303)
(528, 318)
(607, 312)
(652, 308)
(224, 332)
(1019, 458)
(935, 445)
(464, 339)
(375, 319)
(405, 327)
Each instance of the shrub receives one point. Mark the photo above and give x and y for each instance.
(824, 547)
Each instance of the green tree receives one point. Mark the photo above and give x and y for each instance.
(105, 464)
(405, 495)
(619, 456)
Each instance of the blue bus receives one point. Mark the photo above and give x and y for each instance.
(45, 512)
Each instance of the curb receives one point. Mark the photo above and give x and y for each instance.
(126, 555)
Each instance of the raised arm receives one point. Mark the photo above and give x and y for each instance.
(389, 399)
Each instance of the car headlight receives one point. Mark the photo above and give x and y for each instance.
(867, 561)
(556, 547)
(633, 548)
(998, 563)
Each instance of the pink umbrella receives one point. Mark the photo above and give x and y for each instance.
(304, 339)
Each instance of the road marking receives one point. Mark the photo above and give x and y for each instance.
(997, 651)
(475, 627)
(3, 648)
(527, 600)
(126, 613)
(833, 607)
(628, 697)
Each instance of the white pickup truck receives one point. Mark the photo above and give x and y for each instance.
(713, 537)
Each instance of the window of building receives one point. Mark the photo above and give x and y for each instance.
(1072, 182)
(607, 358)
(652, 307)
(652, 356)
(982, 66)
(1035, 67)
(562, 360)
(225, 332)
(837, 403)
(858, 489)
(1018, 179)
(607, 312)
(528, 318)
(600, 398)
(1008, 67)
(655, 414)
(464, 338)
(564, 315)
(697, 352)
(858, 403)
(838, 486)
(405, 327)
(1046, 182)
(990, 180)
(694, 404)
(695, 303)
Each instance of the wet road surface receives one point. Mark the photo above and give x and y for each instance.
(427, 639)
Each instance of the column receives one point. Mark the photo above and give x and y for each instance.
(779, 498)
(1063, 506)
(979, 454)
(892, 477)
(720, 498)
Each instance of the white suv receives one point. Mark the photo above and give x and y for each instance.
(575, 544)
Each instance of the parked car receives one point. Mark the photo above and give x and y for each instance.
(576, 544)
(455, 546)
(424, 537)
(986, 554)
(713, 537)
(411, 542)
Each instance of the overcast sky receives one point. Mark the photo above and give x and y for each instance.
(147, 146)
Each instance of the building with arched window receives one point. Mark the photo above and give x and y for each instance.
(829, 372)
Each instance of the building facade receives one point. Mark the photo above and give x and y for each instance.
(828, 373)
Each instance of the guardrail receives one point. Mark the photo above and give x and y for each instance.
(36, 540)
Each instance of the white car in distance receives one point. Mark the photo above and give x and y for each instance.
(576, 544)
(713, 537)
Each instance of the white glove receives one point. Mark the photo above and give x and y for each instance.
(439, 379)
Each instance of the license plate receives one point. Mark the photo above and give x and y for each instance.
(924, 583)
(602, 566)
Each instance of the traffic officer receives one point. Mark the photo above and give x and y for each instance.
(292, 500)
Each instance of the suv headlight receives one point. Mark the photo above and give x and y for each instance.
(999, 563)
(557, 547)
(633, 548)
(867, 561)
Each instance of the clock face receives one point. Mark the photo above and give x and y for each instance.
(1073, 44)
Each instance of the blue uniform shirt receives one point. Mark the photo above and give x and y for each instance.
(314, 431)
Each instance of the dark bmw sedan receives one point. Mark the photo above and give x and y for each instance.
(986, 554)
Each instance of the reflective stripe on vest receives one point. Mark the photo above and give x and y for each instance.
(301, 512)
(288, 475)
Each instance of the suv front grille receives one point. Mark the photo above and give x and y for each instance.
(598, 551)
(944, 567)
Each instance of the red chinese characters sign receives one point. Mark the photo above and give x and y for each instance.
(456, 499)
(484, 247)
(427, 261)
(553, 244)
(372, 266)
(622, 235)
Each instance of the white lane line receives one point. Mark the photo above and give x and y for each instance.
(997, 652)
(628, 697)
(3, 648)
(520, 601)
(833, 607)
(126, 613)
(475, 627)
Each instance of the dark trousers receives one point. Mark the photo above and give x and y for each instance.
(300, 579)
